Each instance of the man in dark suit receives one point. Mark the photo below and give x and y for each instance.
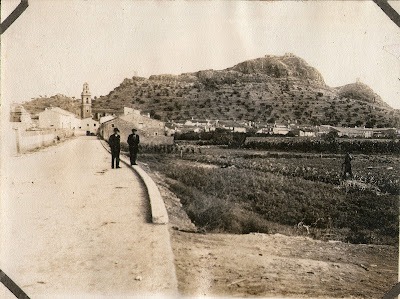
(115, 144)
(133, 142)
(347, 166)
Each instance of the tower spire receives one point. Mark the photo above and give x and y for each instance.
(86, 107)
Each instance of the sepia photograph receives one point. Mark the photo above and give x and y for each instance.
(186, 149)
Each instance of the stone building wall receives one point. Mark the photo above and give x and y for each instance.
(148, 133)
(147, 126)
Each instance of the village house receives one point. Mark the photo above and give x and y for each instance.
(227, 125)
(90, 126)
(263, 130)
(99, 113)
(200, 125)
(170, 129)
(280, 130)
(175, 126)
(58, 118)
(307, 132)
(151, 131)
(347, 132)
(18, 114)
(195, 123)
(106, 118)
(385, 132)
(239, 130)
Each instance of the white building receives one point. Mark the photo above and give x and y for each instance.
(58, 118)
(306, 133)
(89, 125)
(239, 130)
(280, 130)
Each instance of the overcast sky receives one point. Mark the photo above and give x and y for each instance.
(56, 46)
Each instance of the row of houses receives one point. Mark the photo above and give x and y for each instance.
(319, 131)
(58, 118)
(150, 130)
(198, 125)
(157, 132)
(201, 125)
(360, 132)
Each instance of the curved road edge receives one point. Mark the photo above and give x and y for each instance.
(159, 213)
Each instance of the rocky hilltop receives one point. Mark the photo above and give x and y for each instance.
(362, 92)
(266, 90)
(287, 66)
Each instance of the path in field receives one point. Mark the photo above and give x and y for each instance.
(74, 226)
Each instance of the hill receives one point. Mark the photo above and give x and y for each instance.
(288, 65)
(362, 92)
(269, 89)
(39, 104)
(266, 90)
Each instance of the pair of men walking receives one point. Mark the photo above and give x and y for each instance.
(115, 144)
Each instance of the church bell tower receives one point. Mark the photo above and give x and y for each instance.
(86, 109)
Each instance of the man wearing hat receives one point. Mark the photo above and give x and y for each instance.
(115, 144)
(133, 142)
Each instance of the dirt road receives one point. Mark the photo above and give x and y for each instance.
(72, 226)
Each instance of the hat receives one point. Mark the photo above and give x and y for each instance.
(134, 130)
(116, 130)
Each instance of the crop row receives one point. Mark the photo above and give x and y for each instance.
(324, 146)
(382, 177)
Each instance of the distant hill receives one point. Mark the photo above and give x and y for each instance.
(362, 92)
(267, 90)
(39, 104)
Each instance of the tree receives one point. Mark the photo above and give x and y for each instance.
(331, 136)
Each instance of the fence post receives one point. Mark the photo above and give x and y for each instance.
(18, 140)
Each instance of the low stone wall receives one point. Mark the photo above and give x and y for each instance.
(157, 140)
(27, 140)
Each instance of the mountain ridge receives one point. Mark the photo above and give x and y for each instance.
(267, 90)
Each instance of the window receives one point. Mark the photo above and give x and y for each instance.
(112, 125)
(94, 124)
(88, 125)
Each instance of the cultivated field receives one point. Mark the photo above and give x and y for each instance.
(301, 209)
(242, 191)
